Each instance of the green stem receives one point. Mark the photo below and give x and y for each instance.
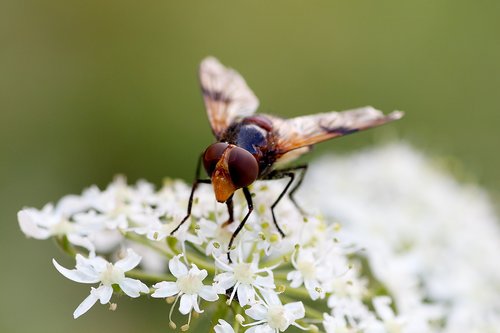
(280, 275)
(66, 246)
(143, 276)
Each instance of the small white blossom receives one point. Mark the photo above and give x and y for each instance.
(244, 278)
(309, 271)
(336, 324)
(189, 286)
(215, 236)
(52, 222)
(273, 316)
(98, 270)
(391, 323)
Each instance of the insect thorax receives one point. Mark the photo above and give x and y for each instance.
(252, 138)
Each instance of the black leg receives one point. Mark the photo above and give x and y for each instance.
(248, 197)
(278, 174)
(303, 169)
(196, 182)
(230, 211)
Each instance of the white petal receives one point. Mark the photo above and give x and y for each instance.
(99, 264)
(129, 262)
(165, 289)
(81, 241)
(225, 280)
(265, 282)
(252, 329)
(245, 294)
(86, 265)
(133, 287)
(194, 301)
(176, 267)
(223, 327)
(85, 305)
(75, 275)
(270, 297)
(208, 293)
(383, 308)
(202, 274)
(104, 293)
(220, 264)
(257, 312)
(312, 287)
(296, 279)
(186, 304)
(295, 310)
(260, 329)
(29, 227)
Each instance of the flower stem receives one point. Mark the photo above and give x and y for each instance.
(143, 276)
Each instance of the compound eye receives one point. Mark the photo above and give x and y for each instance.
(212, 155)
(243, 167)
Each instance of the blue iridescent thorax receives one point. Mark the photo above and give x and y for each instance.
(251, 137)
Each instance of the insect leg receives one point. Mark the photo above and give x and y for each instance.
(248, 197)
(278, 174)
(230, 211)
(303, 169)
(196, 182)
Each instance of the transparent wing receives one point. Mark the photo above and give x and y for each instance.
(226, 94)
(305, 131)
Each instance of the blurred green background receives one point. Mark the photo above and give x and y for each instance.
(89, 89)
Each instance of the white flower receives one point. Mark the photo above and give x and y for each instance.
(429, 239)
(97, 269)
(53, 222)
(309, 271)
(188, 287)
(335, 324)
(273, 316)
(352, 309)
(244, 278)
(391, 323)
(223, 327)
(215, 236)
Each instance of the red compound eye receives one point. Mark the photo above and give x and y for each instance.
(212, 155)
(243, 167)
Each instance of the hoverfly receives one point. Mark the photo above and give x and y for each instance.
(250, 146)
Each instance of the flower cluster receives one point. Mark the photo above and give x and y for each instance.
(372, 262)
(431, 240)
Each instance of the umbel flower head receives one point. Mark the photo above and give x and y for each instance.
(370, 256)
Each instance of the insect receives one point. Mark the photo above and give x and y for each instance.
(251, 147)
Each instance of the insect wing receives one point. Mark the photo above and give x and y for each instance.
(305, 131)
(226, 94)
